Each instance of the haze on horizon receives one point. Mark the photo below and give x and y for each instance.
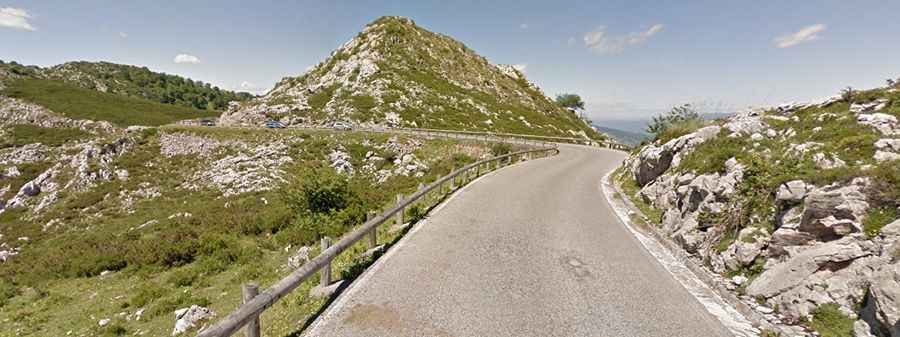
(629, 60)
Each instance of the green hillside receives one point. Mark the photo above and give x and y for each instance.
(131, 81)
(80, 103)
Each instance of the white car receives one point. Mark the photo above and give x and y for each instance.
(344, 126)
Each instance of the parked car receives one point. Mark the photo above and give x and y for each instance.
(274, 125)
(207, 122)
(343, 126)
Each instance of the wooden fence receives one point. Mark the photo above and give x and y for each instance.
(247, 315)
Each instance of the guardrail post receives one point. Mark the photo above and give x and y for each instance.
(251, 290)
(452, 181)
(325, 272)
(402, 210)
(373, 235)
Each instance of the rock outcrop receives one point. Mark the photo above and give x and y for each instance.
(803, 244)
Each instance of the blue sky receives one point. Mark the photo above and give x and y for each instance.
(628, 59)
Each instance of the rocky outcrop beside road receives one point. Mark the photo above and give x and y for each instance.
(797, 245)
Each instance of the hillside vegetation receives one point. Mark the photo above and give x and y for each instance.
(130, 81)
(798, 206)
(108, 232)
(80, 103)
(395, 73)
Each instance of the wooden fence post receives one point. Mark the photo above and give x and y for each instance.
(325, 272)
(373, 235)
(250, 291)
(452, 181)
(401, 211)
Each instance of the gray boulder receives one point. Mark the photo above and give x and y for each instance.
(885, 293)
(806, 261)
(792, 191)
(826, 208)
(187, 318)
(654, 160)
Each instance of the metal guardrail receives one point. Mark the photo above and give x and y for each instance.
(507, 137)
(254, 304)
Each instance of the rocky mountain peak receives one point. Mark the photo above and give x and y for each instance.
(396, 73)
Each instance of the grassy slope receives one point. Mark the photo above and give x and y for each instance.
(53, 286)
(80, 103)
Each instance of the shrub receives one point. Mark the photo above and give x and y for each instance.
(318, 191)
(499, 149)
(679, 121)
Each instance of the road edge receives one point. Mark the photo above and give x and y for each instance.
(341, 299)
(679, 266)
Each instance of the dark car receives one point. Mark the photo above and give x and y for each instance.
(274, 125)
(207, 122)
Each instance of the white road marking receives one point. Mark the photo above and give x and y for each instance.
(733, 320)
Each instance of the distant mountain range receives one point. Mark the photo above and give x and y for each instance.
(622, 136)
(632, 131)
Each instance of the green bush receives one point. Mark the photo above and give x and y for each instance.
(679, 121)
(318, 191)
(499, 149)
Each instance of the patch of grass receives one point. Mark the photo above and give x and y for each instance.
(630, 188)
(318, 100)
(81, 103)
(829, 321)
(878, 218)
(725, 241)
(22, 134)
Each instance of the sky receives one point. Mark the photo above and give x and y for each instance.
(629, 60)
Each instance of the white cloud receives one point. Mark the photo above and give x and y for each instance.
(123, 35)
(520, 67)
(599, 41)
(523, 26)
(185, 58)
(251, 88)
(15, 18)
(808, 33)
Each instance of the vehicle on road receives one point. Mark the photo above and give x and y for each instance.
(274, 125)
(207, 122)
(343, 126)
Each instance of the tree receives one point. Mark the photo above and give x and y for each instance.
(682, 114)
(847, 95)
(571, 101)
(891, 83)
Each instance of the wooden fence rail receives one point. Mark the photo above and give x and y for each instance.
(254, 304)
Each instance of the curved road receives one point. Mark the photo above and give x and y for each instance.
(530, 250)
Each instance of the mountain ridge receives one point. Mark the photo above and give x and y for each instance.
(397, 74)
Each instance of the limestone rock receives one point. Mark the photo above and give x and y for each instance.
(187, 318)
(825, 206)
(791, 191)
(885, 291)
(807, 261)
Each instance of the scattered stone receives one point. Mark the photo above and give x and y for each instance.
(187, 318)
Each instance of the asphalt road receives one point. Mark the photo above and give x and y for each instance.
(531, 250)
